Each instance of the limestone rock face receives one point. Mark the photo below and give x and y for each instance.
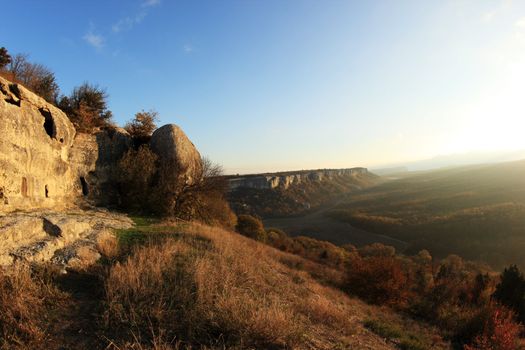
(69, 239)
(174, 148)
(34, 147)
(93, 159)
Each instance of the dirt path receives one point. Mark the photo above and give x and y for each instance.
(79, 319)
(317, 225)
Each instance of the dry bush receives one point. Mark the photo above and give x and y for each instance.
(34, 76)
(24, 295)
(251, 227)
(203, 199)
(141, 127)
(135, 174)
(87, 107)
(500, 331)
(379, 280)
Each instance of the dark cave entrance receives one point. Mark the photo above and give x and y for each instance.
(84, 185)
(49, 123)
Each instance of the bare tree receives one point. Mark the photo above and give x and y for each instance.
(36, 77)
(201, 199)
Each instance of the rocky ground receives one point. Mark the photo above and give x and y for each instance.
(68, 238)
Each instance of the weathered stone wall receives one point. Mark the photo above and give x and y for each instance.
(35, 138)
(45, 164)
(286, 179)
(93, 159)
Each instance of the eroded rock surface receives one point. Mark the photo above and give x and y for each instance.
(48, 171)
(34, 148)
(68, 239)
(94, 158)
(174, 148)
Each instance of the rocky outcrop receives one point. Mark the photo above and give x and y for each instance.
(34, 148)
(94, 158)
(45, 164)
(285, 179)
(48, 171)
(176, 151)
(69, 239)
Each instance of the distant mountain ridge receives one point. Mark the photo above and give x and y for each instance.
(287, 178)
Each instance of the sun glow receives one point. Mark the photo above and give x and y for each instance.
(496, 121)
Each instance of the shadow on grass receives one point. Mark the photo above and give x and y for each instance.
(150, 230)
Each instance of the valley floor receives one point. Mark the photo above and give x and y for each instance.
(318, 225)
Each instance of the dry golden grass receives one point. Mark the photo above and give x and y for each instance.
(188, 287)
(217, 289)
(23, 297)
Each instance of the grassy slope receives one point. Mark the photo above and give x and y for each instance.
(477, 212)
(169, 287)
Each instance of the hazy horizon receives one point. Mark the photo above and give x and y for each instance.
(268, 86)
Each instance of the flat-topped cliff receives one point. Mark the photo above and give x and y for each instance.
(284, 180)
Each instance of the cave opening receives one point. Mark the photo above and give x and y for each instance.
(84, 185)
(49, 123)
(47, 191)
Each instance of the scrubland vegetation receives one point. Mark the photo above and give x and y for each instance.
(173, 286)
(467, 301)
(475, 212)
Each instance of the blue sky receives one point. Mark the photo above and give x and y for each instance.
(287, 84)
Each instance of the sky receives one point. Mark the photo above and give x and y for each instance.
(268, 85)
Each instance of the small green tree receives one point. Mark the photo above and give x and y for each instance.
(510, 292)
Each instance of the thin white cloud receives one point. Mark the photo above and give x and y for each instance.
(128, 23)
(95, 40)
(520, 23)
(150, 3)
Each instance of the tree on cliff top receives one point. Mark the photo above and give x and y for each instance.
(34, 76)
(87, 107)
(143, 125)
(5, 58)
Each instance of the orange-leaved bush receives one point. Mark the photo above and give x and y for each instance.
(500, 332)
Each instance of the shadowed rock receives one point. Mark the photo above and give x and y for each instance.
(175, 150)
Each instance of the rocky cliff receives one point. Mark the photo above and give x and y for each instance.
(45, 164)
(34, 151)
(48, 171)
(284, 180)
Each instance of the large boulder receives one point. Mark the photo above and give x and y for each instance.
(177, 152)
(34, 146)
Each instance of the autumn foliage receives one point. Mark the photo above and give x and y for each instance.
(500, 331)
(379, 280)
